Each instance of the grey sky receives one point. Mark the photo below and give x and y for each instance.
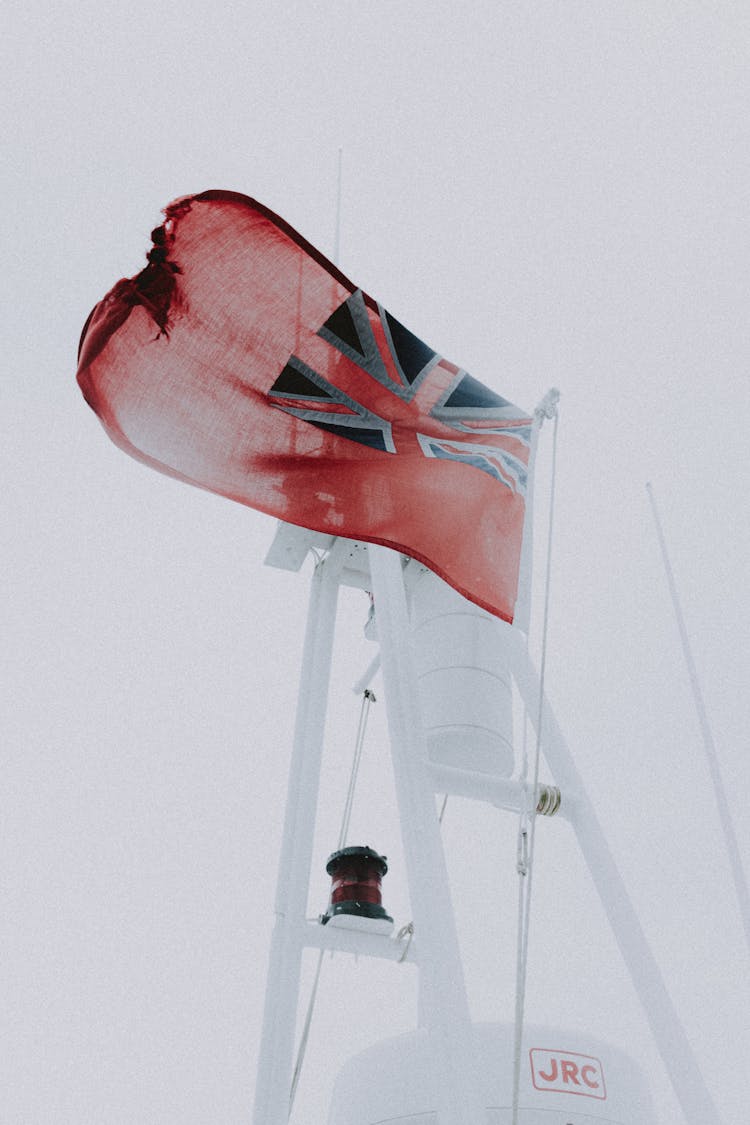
(549, 194)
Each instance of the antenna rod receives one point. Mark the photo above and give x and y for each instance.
(337, 238)
(725, 816)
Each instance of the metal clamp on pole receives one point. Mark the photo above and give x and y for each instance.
(550, 799)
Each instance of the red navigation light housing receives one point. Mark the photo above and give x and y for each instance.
(355, 901)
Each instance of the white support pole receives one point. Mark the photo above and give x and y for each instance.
(674, 1046)
(276, 1056)
(442, 991)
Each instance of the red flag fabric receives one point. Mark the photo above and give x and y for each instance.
(242, 361)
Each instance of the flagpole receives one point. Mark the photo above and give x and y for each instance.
(725, 815)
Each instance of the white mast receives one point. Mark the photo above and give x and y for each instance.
(443, 1004)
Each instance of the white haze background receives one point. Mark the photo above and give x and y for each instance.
(549, 194)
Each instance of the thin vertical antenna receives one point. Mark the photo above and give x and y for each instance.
(337, 237)
(725, 816)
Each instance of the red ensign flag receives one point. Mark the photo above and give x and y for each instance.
(242, 361)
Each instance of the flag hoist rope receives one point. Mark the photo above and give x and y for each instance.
(527, 820)
(368, 698)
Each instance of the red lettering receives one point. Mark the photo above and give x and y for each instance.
(569, 1072)
(592, 1085)
(552, 1076)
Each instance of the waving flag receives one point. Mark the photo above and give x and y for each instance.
(242, 361)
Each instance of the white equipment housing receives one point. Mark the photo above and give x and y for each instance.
(463, 671)
(567, 1078)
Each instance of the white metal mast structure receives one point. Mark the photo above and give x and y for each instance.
(443, 1002)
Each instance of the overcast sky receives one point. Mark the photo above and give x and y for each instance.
(548, 194)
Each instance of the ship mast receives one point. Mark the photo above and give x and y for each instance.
(443, 1002)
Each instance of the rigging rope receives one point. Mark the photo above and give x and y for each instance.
(305, 1034)
(528, 815)
(709, 745)
(368, 698)
(442, 809)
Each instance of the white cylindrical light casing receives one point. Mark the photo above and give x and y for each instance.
(463, 670)
(566, 1076)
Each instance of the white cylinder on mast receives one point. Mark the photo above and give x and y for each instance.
(462, 661)
(568, 1077)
